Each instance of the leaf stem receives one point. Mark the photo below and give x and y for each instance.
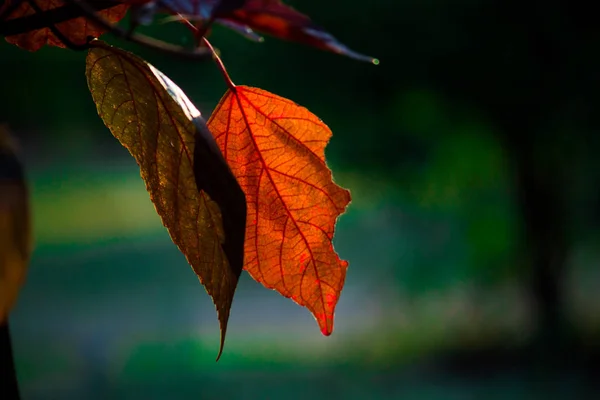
(37, 21)
(220, 65)
(64, 39)
(140, 39)
(81, 8)
(215, 56)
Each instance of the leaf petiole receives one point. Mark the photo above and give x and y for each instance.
(220, 65)
(137, 38)
(200, 35)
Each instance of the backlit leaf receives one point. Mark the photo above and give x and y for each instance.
(76, 30)
(271, 17)
(190, 184)
(276, 149)
(274, 18)
(15, 226)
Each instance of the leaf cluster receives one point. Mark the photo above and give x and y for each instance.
(247, 189)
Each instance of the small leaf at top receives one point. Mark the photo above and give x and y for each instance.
(271, 17)
(190, 184)
(15, 225)
(280, 20)
(276, 149)
(76, 30)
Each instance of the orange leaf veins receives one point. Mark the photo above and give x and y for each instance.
(276, 150)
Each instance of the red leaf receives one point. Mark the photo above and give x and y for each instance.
(275, 18)
(77, 30)
(271, 17)
(276, 150)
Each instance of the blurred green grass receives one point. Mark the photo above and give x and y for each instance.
(99, 238)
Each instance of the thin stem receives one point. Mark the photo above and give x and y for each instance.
(35, 21)
(200, 34)
(138, 38)
(63, 38)
(220, 65)
(78, 8)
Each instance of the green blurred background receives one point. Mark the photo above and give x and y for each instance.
(473, 235)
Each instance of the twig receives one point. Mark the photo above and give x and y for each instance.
(66, 41)
(78, 8)
(137, 38)
(220, 65)
(215, 56)
(57, 15)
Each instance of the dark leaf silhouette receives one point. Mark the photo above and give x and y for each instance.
(271, 17)
(190, 184)
(276, 149)
(76, 30)
(15, 228)
(274, 18)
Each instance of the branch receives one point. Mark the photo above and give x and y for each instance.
(80, 8)
(57, 15)
(142, 40)
(66, 41)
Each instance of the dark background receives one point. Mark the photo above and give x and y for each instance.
(473, 235)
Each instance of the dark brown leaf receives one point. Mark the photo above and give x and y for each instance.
(15, 225)
(199, 201)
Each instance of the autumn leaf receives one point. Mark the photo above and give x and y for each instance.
(190, 184)
(276, 149)
(76, 30)
(271, 17)
(15, 227)
(274, 18)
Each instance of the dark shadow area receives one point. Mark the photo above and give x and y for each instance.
(9, 387)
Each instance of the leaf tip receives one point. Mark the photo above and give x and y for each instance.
(326, 323)
(221, 346)
(326, 332)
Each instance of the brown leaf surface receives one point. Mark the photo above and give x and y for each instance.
(77, 30)
(199, 201)
(15, 226)
(276, 149)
